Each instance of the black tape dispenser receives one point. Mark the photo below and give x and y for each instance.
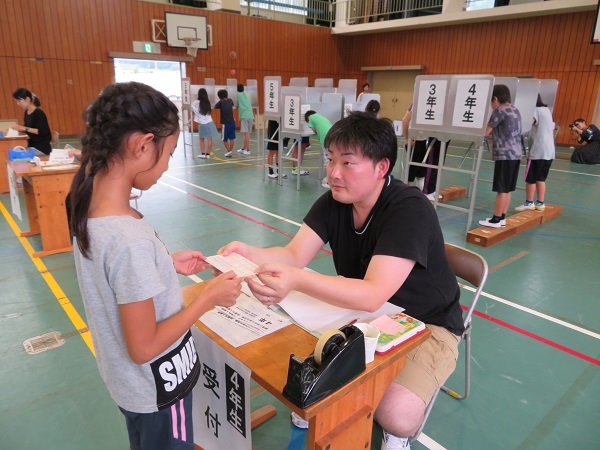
(339, 357)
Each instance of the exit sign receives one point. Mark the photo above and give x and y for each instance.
(147, 47)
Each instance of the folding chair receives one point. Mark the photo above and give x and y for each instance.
(470, 267)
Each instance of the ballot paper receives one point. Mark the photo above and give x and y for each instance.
(244, 322)
(242, 266)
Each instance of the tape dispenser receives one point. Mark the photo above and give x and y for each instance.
(339, 357)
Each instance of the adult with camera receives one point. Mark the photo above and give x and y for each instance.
(590, 136)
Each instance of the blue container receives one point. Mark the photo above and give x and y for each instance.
(21, 154)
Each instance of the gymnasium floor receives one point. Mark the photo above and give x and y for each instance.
(536, 352)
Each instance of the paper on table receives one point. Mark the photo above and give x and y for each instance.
(318, 316)
(244, 322)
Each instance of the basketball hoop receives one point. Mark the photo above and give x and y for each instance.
(192, 45)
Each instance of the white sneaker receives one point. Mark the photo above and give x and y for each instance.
(302, 172)
(207, 156)
(202, 155)
(272, 175)
(525, 207)
(241, 150)
(391, 442)
(431, 197)
(487, 223)
(299, 421)
(325, 183)
(502, 221)
(228, 154)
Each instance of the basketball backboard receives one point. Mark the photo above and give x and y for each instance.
(180, 26)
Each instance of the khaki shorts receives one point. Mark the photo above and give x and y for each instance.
(430, 364)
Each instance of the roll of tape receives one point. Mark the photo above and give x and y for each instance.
(327, 337)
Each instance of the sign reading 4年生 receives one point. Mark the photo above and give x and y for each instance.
(472, 103)
(221, 398)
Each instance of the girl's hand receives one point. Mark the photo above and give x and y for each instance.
(189, 262)
(18, 127)
(278, 280)
(223, 290)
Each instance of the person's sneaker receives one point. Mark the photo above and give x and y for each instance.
(431, 197)
(302, 172)
(245, 152)
(299, 421)
(241, 150)
(391, 442)
(207, 156)
(275, 175)
(540, 206)
(525, 207)
(228, 154)
(325, 183)
(487, 223)
(502, 221)
(202, 156)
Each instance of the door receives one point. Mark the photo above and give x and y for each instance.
(396, 89)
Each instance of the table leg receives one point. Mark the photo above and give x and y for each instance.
(347, 423)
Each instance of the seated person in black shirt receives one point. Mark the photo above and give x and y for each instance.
(387, 245)
(589, 135)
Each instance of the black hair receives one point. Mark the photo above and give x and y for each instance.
(366, 84)
(22, 94)
(205, 106)
(502, 93)
(240, 87)
(374, 138)
(580, 120)
(373, 107)
(222, 94)
(119, 111)
(539, 102)
(308, 114)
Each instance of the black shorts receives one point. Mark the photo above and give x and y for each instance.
(537, 170)
(506, 172)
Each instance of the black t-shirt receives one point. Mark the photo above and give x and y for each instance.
(403, 224)
(41, 141)
(226, 107)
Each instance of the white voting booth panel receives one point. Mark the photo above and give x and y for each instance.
(364, 99)
(548, 91)
(523, 93)
(449, 107)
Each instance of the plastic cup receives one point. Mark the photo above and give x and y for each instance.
(371, 333)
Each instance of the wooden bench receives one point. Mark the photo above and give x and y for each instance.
(515, 224)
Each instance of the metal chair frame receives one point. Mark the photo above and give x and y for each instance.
(472, 268)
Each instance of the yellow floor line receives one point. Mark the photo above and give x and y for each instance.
(62, 299)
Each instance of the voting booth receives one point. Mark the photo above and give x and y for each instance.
(287, 105)
(449, 107)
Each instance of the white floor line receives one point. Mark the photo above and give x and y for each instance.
(536, 313)
(485, 294)
(226, 198)
(430, 443)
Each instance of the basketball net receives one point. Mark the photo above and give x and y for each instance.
(191, 45)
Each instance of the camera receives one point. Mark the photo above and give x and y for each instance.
(573, 125)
